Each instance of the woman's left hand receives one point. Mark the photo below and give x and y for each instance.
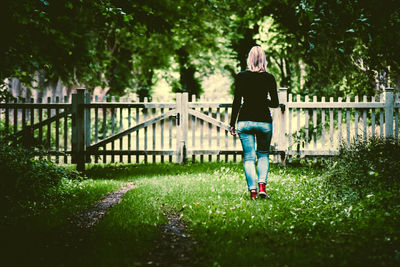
(232, 130)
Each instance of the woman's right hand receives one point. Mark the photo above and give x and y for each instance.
(232, 130)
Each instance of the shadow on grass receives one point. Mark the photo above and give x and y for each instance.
(117, 171)
(131, 171)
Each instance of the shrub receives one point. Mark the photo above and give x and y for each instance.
(25, 178)
(366, 166)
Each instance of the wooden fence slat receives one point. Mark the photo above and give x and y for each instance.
(373, 119)
(24, 110)
(88, 129)
(210, 113)
(396, 117)
(32, 112)
(307, 128)
(40, 120)
(48, 139)
(15, 118)
(340, 123)
(298, 110)
(32, 116)
(162, 135)
(57, 131)
(356, 118)
(331, 125)
(130, 135)
(120, 129)
(113, 128)
(201, 134)
(290, 125)
(96, 126)
(396, 124)
(218, 132)
(323, 124)
(184, 127)
(65, 143)
(314, 112)
(348, 122)
(145, 129)
(364, 114)
(194, 123)
(381, 112)
(226, 132)
(7, 119)
(170, 125)
(104, 129)
(153, 126)
(137, 133)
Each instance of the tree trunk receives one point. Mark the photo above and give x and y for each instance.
(145, 84)
(188, 82)
(245, 44)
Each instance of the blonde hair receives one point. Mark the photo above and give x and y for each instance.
(256, 61)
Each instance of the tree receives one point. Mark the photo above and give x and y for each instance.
(349, 42)
(60, 39)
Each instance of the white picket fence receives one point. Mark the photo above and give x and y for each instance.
(318, 128)
(89, 129)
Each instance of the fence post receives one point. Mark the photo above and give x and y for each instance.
(181, 127)
(389, 103)
(88, 138)
(78, 129)
(184, 126)
(282, 134)
(178, 127)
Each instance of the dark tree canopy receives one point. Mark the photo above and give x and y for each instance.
(314, 47)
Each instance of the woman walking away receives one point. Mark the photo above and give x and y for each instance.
(257, 88)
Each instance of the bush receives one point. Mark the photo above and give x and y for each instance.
(366, 166)
(25, 178)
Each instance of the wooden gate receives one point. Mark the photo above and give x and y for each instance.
(184, 127)
(111, 129)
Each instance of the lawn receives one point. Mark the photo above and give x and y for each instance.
(303, 224)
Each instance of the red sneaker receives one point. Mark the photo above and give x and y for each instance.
(262, 192)
(253, 194)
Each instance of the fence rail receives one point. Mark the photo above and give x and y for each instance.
(89, 129)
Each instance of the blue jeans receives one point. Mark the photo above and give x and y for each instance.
(249, 133)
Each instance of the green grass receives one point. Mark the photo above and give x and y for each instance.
(303, 224)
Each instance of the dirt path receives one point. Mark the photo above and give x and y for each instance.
(90, 217)
(173, 248)
(175, 245)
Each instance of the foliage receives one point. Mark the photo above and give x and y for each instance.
(25, 178)
(108, 43)
(5, 95)
(342, 39)
(366, 167)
